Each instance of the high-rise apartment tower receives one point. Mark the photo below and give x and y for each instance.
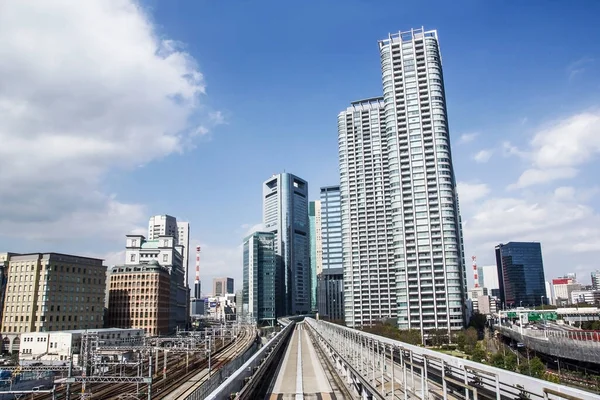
(369, 276)
(401, 221)
(285, 213)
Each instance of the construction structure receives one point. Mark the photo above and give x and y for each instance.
(197, 303)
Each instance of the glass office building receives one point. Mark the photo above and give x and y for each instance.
(521, 274)
(259, 285)
(285, 214)
(331, 227)
(330, 278)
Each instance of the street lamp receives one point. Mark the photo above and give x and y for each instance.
(521, 303)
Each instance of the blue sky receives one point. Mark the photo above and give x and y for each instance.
(139, 137)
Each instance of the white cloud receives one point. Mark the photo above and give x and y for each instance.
(86, 87)
(578, 67)
(483, 156)
(468, 137)
(568, 142)
(558, 148)
(217, 117)
(568, 229)
(251, 228)
(538, 176)
(471, 192)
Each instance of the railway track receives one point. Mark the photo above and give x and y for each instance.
(178, 371)
(196, 378)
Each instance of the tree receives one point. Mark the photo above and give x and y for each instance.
(438, 337)
(460, 340)
(537, 368)
(471, 337)
(478, 354)
(478, 321)
(411, 336)
(510, 362)
(498, 360)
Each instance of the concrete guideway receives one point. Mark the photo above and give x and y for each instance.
(381, 368)
(301, 375)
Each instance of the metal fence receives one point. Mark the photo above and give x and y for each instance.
(556, 343)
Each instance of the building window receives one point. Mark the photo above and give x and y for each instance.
(165, 257)
(133, 257)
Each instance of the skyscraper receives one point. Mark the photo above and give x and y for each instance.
(285, 214)
(427, 235)
(331, 227)
(259, 284)
(403, 251)
(521, 274)
(316, 248)
(331, 294)
(368, 255)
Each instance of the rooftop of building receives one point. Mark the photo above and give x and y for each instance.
(98, 330)
(151, 266)
(53, 254)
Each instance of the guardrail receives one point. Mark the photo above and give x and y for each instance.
(553, 343)
(394, 367)
(242, 381)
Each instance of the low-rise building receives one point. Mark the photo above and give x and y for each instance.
(487, 305)
(56, 348)
(585, 296)
(51, 292)
(148, 292)
(474, 295)
(563, 287)
(222, 308)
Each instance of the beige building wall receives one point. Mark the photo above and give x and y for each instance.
(319, 237)
(139, 297)
(53, 291)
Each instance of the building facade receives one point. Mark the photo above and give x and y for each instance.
(285, 214)
(4, 260)
(259, 303)
(490, 277)
(148, 291)
(585, 297)
(166, 225)
(331, 294)
(331, 274)
(367, 241)
(429, 256)
(316, 249)
(396, 171)
(331, 228)
(56, 348)
(596, 280)
(53, 291)
(563, 287)
(520, 274)
(222, 286)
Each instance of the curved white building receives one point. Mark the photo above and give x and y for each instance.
(402, 237)
(429, 259)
